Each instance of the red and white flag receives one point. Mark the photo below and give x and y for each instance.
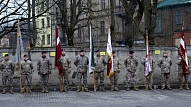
(183, 53)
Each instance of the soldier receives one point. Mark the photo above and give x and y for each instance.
(164, 63)
(100, 62)
(182, 75)
(114, 77)
(149, 76)
(44, 67)
(131, 63)
(26, 71)
(81, 62)
(7, 68)
(66, 64)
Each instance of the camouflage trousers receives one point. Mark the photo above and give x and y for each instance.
(79, 78)
(10, 81)
(149, 80)
(185, 76)
(26, 78)
(165, 79)
(64, 85)
(131, 76)
(113, 80)
(98, 75)
(44, 81)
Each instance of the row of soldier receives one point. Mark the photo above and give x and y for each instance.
(44, 67)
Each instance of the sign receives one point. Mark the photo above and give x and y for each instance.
(157, 52)
(3, 54)
(52, 54)
(102, 53)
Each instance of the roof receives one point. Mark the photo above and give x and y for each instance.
(172, 3)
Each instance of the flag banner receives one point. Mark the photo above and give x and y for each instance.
(19, 50)
(147, 63)
(110, 56)
(58, 54)
(91, 54)
(183, 53)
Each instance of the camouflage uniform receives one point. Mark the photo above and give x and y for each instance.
(114, 77)
(164, 63)
(66, 64)
(182, 74)
(149, 77)
(131, 63)
(100, 62)
(44, 67)
(81, 62)
(7, 68)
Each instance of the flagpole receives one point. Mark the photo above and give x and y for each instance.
(20, 59)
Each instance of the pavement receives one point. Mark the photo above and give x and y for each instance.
(122, 98)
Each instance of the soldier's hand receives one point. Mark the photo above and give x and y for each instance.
(69, 70)
(32, 70)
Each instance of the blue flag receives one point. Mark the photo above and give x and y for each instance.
(20, 49)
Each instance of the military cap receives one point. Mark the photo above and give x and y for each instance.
(25, 55)
(6, 55)
(131, 52)
(82, 50)
(113, 52)
(164, 52)
(43, 52)
(97, 50)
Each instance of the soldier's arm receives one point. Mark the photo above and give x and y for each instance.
(104, 61)
(159, 62)
(38, 65)
(32, 67)
(143, 60)
(136, 61)
(87, 60)
(170, 62)
(76, 61)
(12, 68)
(125, 62)
(50, 65)
(118, 64)
(69, 63)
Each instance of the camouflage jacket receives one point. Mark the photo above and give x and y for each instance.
(152, 62)
(7, 68)
(82, 63)
(131, 63)
(164, 64)
(44, 66)
(100, 63)
(26, 67)
(66, 62)
(116, 64)
(178, 62)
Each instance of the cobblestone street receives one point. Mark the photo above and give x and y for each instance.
(156, 98)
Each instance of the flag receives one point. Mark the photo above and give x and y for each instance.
(20, 48)
(183, 53)
(91, 54)
(109, 53)
(147, 63)
(58, 53)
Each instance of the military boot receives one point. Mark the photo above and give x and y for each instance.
(162, 88)
(86, 90)
(146, 88)
(46, 90)
(65, 90)
(102, 89)
(4, 91)
(43, 90)
(30, 91)
(95, 89)
(136, 89)
(169, 88)
(180, 87)
(128, 88)
(186, 87)
(11, 90)
(116, 89)
(22, 90)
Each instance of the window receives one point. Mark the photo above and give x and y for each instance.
(48, 22)
(43, 39)
(102, 27)
(79, 30)
(42, 6)
(42, 23)
(48, 39)
(179, 16)
(124, 25)
(158, 27)
(102, 4)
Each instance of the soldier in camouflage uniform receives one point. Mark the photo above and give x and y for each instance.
(26, 71)
(66, 64)
(164, 63)
(149, 77)
(44, 67)
(100, 63)
(114, 77)
(182, 75)
(81, 62)
(131, 63)
(7, 67)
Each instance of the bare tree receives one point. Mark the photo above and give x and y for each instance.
(133, 19)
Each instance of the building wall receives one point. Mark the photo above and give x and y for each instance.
(122, 53)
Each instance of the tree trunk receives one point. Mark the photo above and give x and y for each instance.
(70, 37)
(112, 25)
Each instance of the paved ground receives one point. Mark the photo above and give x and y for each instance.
(156, 98)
